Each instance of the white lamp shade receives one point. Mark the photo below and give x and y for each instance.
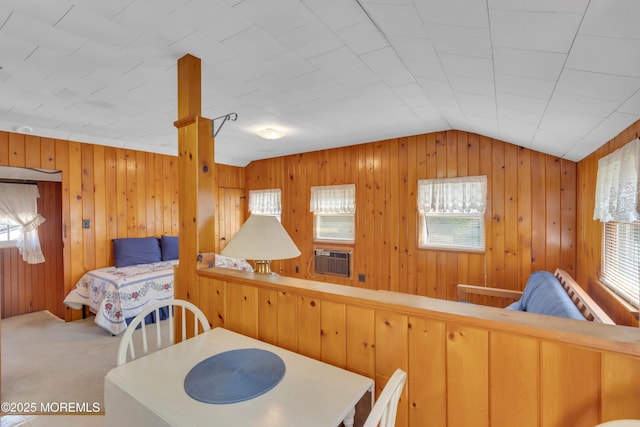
(261, 237)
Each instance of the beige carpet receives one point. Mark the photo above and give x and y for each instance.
(47, 360)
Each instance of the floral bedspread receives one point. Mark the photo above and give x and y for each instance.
(116, 294)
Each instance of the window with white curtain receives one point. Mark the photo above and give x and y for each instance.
(451, 213)
(266, 202)
(19, 212)
(334, 209)
(617, 205)
(8, 234)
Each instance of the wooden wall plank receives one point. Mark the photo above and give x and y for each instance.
(4, 149)
(467, 378)
(569, 380)
(334, 333)
(553, 226)
(100, 210)
(88, 207)
(47, 153)
(249, 321)
(268, 316)
(310, 329)
(111, 200)
(32, 151)
(16, 150)
(360, 341)
(524, 216)
(620, 391)
(510, 376)
(428, 382)
(287, 321)
(392, 330)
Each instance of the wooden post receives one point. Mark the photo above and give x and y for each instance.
(197, 182)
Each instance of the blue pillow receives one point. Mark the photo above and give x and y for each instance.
(544, 294)
(169, 247)
(136, 250)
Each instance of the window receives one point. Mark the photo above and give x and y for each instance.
(19, 205)
(266, 202)
(8, 234)
(617, 205)
(621, 260)
(451, 213)
(334, 209)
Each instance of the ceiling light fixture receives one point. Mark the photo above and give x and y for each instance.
(270, 133)
(27, 130)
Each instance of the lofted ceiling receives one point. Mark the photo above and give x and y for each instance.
(560, 77)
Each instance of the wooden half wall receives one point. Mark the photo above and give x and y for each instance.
(530, 217)
(124, 193)
(467, 365)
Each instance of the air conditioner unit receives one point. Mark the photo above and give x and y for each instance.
(328, 261)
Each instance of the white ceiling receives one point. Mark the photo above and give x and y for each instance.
(561, 77)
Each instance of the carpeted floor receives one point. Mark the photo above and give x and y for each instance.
(48, 361)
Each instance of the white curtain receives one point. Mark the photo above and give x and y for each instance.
(617, 186)
(333, 199)
(19, 205)
(452, 195)
(265, 202)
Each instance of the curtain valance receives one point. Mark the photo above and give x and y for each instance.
(333, 199)
(452, 195)
(617, 185)
(265, 202)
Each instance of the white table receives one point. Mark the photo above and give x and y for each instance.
(149, 391)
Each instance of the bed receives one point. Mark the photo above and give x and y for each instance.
(118, 293)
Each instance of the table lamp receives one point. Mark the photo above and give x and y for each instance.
(262, 239)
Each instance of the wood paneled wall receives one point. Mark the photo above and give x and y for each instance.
(589, 258)
(467, 365)
(530, 217)
(33, 287)
(124, 193)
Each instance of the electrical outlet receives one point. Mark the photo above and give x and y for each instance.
(361, 278)
(86, 223)
(297, 269)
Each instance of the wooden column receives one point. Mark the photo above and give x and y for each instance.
(196, 186)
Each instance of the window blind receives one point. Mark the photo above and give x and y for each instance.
(621, 266)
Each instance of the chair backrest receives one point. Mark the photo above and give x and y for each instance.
(384, 411)
(127, 341)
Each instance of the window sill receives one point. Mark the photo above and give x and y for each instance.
(621, 301)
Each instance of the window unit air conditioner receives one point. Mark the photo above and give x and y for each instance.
(336, 263)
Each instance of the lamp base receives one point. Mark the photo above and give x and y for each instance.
(263, 266)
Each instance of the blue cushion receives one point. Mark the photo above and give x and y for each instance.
(544, 295)
(169, 247)
(517, 306)
(136, 250)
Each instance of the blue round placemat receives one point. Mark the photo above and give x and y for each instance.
(234, 376)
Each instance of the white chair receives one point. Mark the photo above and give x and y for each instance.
(127, 341)
(384, 411)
